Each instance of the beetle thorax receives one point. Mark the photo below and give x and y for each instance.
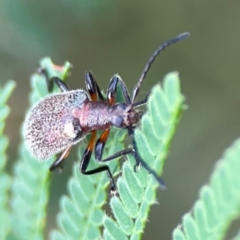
(101, 115)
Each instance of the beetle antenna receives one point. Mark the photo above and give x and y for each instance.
(152, 59)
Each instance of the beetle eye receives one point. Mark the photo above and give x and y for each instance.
(117, 121)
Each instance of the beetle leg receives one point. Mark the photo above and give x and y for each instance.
(61, 84)
(99, 147)
(111, 96)
(112, 89)
(58, 163)
(139, 161)
(100, 144)
(86, 159)
(92, 87)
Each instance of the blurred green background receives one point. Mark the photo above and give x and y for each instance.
(111, 37)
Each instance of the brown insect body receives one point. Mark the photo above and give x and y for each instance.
(101, 115)
(61, 120)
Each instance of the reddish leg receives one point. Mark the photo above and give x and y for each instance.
(92, 87)
(111, 92)
(86, 159)
(111, 95)
(58, 163)
(95, 93)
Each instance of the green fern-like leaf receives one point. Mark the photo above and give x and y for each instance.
(80, 215)
(137, 191)
(5, 180)
(30, 184)
(218, 204)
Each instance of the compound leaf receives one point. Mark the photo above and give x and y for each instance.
(86, 197)
(219, 201)
(137, 191)
(5, 180)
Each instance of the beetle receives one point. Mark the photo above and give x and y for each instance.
(61, 120)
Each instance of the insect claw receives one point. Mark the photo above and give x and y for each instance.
(113, 191)
(60, 169)
(161, 183)
(137, 167)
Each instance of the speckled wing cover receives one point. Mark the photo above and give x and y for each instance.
(50, 126)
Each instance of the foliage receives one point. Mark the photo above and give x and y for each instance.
(218, 204)
(137, 191)
(82, 214)
(87, 193)
(30, 186)
(5, 180)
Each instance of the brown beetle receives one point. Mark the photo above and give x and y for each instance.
(61, 120)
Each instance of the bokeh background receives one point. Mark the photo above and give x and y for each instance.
(110, 37)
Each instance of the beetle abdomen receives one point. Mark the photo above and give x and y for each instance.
(50, 127)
